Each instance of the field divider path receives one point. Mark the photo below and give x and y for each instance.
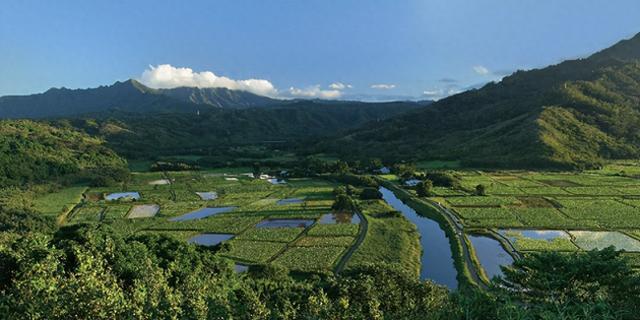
(362, 233)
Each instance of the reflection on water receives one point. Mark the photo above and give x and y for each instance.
(207, 195)
(202, 213)
(240, 268)
(285, 223)
(437, 260)
(491, 254)
(122, 195)
(209, 239)
(288, 201)
(339, 217)
(535, 234)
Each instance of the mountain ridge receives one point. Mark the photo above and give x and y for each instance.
(130, 96)
(573, 114)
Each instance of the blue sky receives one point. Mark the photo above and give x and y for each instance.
(366, 49)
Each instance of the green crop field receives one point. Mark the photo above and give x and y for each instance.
(599, 200)
(390, 239)
(59, 202)
(312, 248)
(309, 258)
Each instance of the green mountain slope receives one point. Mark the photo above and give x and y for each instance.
(213, 131)
(574, 114)
(33, 151)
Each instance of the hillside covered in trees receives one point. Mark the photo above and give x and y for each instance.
(34, 151)
(215, 130)
(570, 115)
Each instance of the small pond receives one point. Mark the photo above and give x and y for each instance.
(283, 202)
(339, 217)
(122, 195)
(534, 234)
(202, 213)
(590, 240)
(240, 268)
(276, 181)
(437, 259)
(209, 239)
(207, 195)
(285, 223)
(491, 254)
(159, 182)
(143, 211)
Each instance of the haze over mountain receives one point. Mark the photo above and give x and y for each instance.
(573, 114)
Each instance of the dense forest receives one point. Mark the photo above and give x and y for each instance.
(35, 151)
(216, 131)
(109, 276)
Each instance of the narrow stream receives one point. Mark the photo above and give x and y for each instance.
(437, 259)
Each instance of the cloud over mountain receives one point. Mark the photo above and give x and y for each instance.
(167, 76)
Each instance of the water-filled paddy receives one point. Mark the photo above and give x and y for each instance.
(283, 202)
(202, 213)
(437, 259)
(339, 217)
(207, 195)
(122, 195)
(548, 235)
(285, 223)
(143, 211)
(209, 239)
(589, 240)
(159, 182)
(276, 181)
(491, 254)
(240, 268)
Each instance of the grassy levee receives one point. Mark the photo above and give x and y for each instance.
(389, 239)
(464, 274)
(474, 259)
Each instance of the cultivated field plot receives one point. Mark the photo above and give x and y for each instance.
(553, 211)
(597, 200)
(59, 202)
(589, 240)
(262, 222)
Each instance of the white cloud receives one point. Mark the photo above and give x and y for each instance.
(440, 93)
(340, 86)
(383, 86)
(481, 70)
(168, 76)
(315, 92)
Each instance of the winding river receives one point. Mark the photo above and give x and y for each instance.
(437, 259)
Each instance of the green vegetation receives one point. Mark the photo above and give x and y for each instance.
(390, 239)
(59, 202)
(334, 230)
(35, 151)
(253, 251)
(309, 258)
(574, 114)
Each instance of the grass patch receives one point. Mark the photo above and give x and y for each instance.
(59, 202)
(309, 258)
(253, 251)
